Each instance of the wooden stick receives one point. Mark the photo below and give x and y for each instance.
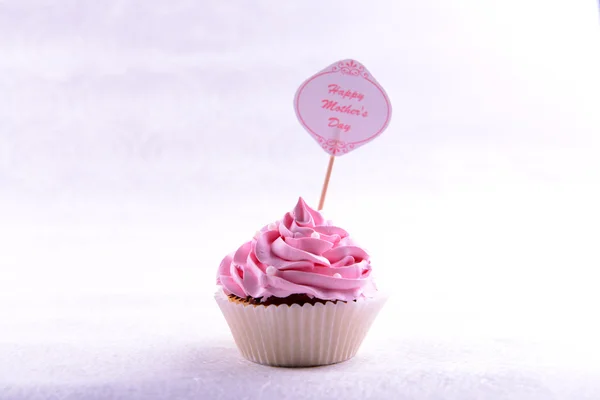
(326, 183)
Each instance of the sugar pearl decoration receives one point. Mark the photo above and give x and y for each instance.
(271, 270)
(336, 275)
(272, 226)
(257, 234)
(315, 235)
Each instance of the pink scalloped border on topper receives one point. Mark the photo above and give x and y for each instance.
(343, 107)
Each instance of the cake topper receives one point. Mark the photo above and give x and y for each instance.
(343, 107)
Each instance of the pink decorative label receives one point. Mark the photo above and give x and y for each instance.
(343, 107)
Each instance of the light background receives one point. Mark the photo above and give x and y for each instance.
(141, 141)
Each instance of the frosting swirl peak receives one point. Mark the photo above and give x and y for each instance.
(300, 254)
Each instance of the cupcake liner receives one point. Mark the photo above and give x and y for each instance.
(299, 336)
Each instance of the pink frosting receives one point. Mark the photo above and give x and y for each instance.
(301, 254)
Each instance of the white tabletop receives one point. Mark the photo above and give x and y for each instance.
(97, 311)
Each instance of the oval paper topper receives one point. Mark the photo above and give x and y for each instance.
(343, 107)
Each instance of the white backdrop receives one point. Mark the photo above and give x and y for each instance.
(140, 141)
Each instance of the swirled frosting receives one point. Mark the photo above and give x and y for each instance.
(300, 254)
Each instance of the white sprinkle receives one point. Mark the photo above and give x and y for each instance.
(315, 235)
(271, 270)
(337, 275)
(272, 226)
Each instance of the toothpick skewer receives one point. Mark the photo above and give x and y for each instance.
(326, 183)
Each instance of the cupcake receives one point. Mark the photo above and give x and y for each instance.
(299, 294)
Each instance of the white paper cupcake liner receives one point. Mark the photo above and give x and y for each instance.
(299, 336)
